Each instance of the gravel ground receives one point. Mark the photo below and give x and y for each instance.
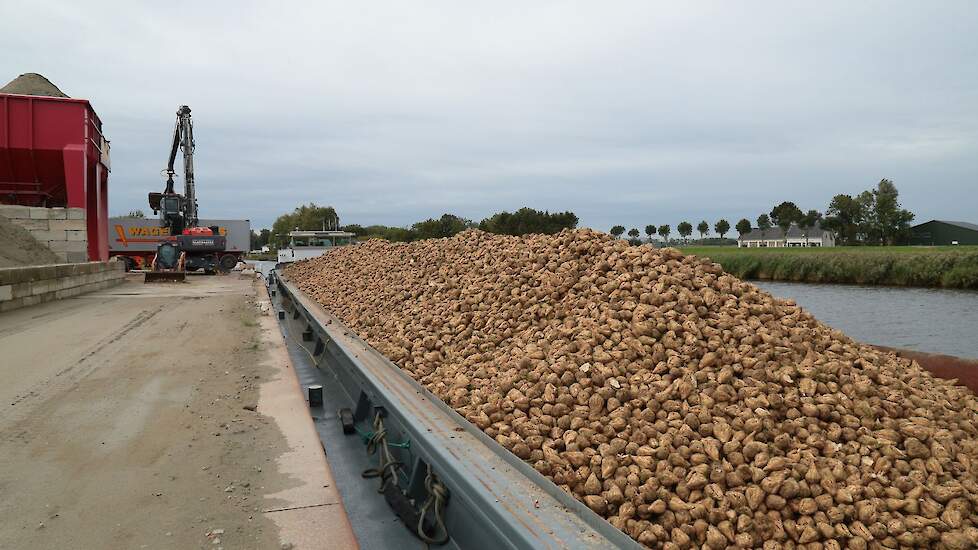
(127, 421)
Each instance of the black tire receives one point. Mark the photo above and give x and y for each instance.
(227, 262)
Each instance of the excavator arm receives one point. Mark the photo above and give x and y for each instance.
(178, 211)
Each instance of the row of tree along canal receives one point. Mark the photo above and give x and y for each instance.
(872, 217)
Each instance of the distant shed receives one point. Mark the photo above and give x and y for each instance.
(943, 232)
(814, 236)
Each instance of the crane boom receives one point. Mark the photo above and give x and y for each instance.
(183, 140)
(178, 212)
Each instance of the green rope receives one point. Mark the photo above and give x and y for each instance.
(367, 436)
(377, 443)
(364, 436)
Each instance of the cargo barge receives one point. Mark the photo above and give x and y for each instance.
(443, 478)
(494, 499)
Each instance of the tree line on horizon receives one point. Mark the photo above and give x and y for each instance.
(521, 222)
(874, 217)
(313, 217)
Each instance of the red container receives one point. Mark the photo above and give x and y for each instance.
(53, 153)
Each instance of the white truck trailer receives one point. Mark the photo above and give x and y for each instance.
(136, 239)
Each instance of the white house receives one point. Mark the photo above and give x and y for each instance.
(797, 237)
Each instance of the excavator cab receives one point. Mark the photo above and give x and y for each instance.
(170, 206)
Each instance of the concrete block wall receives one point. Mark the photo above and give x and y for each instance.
(28, 286)
(63, 230)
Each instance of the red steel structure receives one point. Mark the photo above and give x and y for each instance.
(53, 154)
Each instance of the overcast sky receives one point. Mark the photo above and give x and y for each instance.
(623, 112)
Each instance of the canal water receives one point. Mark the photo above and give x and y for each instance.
(262, 267)
(920, 319)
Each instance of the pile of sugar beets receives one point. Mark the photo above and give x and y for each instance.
(687, 407)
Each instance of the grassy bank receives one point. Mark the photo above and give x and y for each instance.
(946, 267)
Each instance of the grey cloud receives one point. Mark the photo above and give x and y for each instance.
(631, 112)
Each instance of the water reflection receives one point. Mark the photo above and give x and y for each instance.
(922, 319)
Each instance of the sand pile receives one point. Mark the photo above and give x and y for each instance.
(19, 248)
(32, 84)
(687, 407)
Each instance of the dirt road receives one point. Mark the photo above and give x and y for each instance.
(127, 421)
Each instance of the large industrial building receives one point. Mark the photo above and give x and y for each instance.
(943, 232)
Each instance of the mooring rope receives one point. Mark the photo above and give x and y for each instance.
(387, 471)
(315, 361)
(377, 442)
(437, 494)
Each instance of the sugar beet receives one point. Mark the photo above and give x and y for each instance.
(687, 407)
